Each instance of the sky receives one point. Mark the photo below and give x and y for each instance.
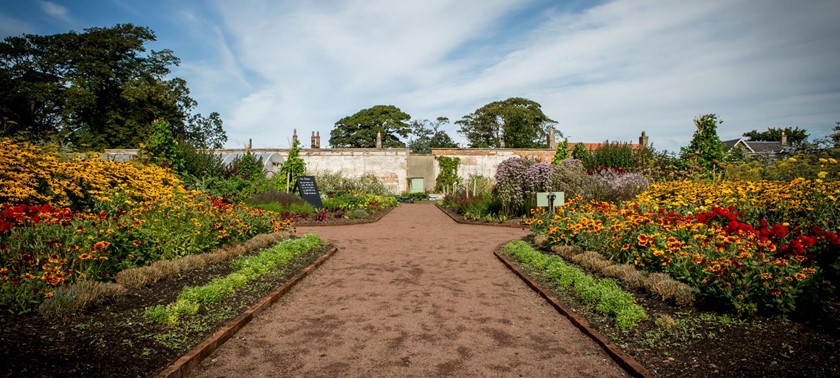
(604, 70)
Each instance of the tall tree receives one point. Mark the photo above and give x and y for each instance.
(795, 136)
(94, 89)
(428, 135)
(835, 135)
(705, 148)
(359, 130)
(512, 123)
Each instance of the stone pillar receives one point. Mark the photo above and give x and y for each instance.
(784, 138)
(294, 136)
(643, 140)
(378, 139)
(552, 142)
(317, 140)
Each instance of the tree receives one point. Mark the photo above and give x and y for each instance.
(580, 152)
(562, 152)
(93, 90)
(429, 135)
(292, 168)
(835, 136)
(359, 130)
(705, 148)
(161, 148)
(795, 136)
(512, 123)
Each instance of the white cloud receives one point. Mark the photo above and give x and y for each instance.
(607, 72)
(56, 11)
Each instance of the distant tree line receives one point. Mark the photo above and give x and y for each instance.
(97, 89)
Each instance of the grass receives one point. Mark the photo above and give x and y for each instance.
(605, 294)
(247, 269)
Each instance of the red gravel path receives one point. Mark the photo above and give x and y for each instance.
(414, 294)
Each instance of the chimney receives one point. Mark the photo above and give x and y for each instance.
(294, 137)
(643, 140)
(784, 138)
(378, 139)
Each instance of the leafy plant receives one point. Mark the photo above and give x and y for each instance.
(447, 177)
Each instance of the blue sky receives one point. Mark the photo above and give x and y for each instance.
(602, 69)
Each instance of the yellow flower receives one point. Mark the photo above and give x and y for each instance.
(822, 174)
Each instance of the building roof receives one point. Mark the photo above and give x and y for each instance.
(757, 146)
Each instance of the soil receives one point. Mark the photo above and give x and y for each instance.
(113, 339)
(415, 294)
(706, 346)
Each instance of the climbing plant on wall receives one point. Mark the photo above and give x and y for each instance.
(448, 173)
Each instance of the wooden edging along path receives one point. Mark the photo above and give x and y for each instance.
(189, 361)
(624, 360)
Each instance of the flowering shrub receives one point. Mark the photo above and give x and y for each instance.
(517, 180)
(66, 221)
(822, 167)
(755, 246)
(44, 248)
(35, 176)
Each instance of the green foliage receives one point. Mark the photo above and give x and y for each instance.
(243, 178)
(580, 152)
(795, 136)
(615, 155)
(705, 148)
(512, 123)
(335, 184)
(608, 298)
(428, 135)
(562, 152)
(202, 168)
(161, 148)
(448, 173)
(835, 135)
(359, 130)
(97, 89)
(292, 168)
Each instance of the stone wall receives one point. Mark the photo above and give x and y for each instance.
(484, 161)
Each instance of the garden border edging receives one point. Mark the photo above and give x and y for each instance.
(183, 366)
(624, 360)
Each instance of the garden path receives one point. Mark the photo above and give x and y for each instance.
(414, 294)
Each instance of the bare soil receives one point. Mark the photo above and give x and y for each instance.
(414, 294)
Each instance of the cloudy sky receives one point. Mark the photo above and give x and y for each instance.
(605, 70)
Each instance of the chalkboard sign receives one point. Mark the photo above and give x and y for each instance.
(309, 191)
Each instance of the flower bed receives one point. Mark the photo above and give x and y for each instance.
(64, 221)
(756, 247)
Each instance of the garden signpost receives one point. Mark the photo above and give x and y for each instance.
(309, 191)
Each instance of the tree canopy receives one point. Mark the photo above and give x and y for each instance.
(795, 136)
(96, 89)
(359, 130)
(428, 135)
(705, 148)
(512, 123)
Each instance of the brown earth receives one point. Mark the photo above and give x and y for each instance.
(414, 294)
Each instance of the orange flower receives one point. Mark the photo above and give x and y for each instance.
(84, 256)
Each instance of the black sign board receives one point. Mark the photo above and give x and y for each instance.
(309, 191)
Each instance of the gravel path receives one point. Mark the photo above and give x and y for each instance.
(414, 294)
